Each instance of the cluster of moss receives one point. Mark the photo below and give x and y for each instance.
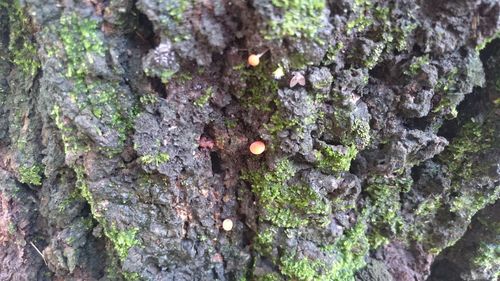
(445, 85)
(173, 19)
(157, 159)
(348, 252)
(300, 19)
(332, 52)
(361, 21)
(203, 100)
(488, 258)
(82, 44)
(383, 207)
(21, 41)
(286, 205)
(72, 144)
(122, 240)
(30, 174)
(260, 90)
(473, 139)
(417, 65)
(333, 160)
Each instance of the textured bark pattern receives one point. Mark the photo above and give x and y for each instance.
(125, 129)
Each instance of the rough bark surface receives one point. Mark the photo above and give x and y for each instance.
(125, 127)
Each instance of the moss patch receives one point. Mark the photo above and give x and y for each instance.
(30, 174)
(282, 204)
(21, 41)
(300, 18)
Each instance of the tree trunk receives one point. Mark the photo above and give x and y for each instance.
(126, 128)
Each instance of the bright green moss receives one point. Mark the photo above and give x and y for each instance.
(176, 9)
(81, 42)
(269, 277)
(122, 240)
(417, 65)
(264, 240)
(156, 159)
(300, 19)
(166, 75)
(332, 52)
(30, 174)
(469, 203)
(300, 269)
(336, 159)
(282, 204)
(472, 139)
(445, 86)
(203, 100)
(360, 21)
(21, 42)
(385, 204)
(428, 207)
(487, 40)
(349, 251)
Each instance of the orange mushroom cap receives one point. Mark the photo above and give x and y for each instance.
(257, 147)
(253, 60)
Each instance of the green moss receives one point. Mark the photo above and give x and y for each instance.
(122, 240)
(71, 141)
(417, 65)
(428, 207)
(261, 88)
(269, 277)
(469, 203)
(166, 75)
(176, 9)
(335, 159)
(349, 251)
(282, 204)
(148, 99)
(445, 86)
(21, 42)
(83, 43)
(30, 174)
(487, 40)
(264, 240)
(332, 52)
(156, 159)
(472, 139)
(203, 100)
(488, 258)
(384, 205)
(360, 21)
(300, 19)
(300, 269)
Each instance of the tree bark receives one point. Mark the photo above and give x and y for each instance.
(125, 133)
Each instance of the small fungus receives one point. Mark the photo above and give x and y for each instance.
(227, 225)
(257, 147)
(253, 60)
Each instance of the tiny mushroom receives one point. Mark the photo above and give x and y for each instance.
(227, 225)
(257, 147)
(254, 59)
